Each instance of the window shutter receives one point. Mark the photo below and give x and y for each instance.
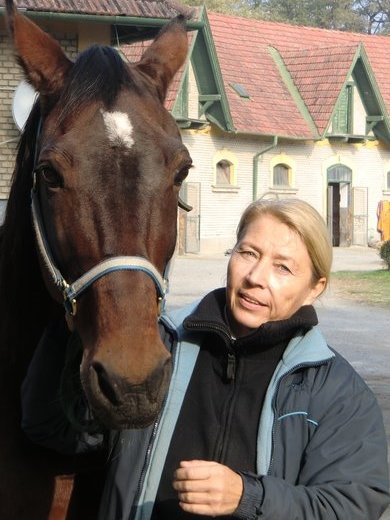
(342, 119)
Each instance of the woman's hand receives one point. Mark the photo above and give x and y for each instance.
(207, 488)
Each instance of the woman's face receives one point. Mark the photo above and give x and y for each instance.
(269, 276)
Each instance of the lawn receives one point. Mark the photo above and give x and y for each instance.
(370, 287)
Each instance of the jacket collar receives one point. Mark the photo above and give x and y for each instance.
(208, 315)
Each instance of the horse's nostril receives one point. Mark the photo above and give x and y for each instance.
(107, 387)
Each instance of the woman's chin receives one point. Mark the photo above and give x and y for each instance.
(244, 324)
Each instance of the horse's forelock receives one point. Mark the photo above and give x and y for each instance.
(98, 74)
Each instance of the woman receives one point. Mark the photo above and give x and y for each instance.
(262, 418)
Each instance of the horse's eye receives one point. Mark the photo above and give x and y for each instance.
(181, 175)
(50, 176)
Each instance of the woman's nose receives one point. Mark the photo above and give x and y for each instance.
(258, 274)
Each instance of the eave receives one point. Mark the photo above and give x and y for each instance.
(212, 94)
(134, 27)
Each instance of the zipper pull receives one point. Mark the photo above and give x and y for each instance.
(231, 367)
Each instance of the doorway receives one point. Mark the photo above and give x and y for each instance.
(189, 223)
(339, 205)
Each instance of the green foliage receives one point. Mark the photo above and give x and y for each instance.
(384, 253)
(366, 16)
(376, 14)
(336, 14)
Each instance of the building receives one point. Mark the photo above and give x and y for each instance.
(266, 110)
(76, 24)
(274, 110)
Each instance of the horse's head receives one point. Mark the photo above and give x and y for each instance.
(109, 165)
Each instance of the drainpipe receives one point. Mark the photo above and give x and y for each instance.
(256, 165)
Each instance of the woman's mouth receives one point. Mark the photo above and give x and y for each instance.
(250, 302)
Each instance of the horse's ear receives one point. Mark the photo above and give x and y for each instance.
(44, 63)
(165, 55)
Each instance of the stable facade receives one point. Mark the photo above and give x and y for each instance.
(291, 112)
(266, 110)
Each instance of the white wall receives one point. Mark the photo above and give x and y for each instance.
(220, 211)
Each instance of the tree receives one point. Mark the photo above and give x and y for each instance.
(368, 16)
(376, 14)
(329, 14)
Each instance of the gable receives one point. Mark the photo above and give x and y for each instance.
(213, 102)
(202, 68)
(319, 75)
(372, 98)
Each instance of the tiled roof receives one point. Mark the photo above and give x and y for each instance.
(141, 8)
(319, 74)
(318, 61)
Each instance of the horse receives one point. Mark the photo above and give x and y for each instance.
(89, 230)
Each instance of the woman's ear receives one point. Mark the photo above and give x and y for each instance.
(318, 288)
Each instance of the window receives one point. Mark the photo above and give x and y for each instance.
(224, 172)
(225, 168)
(388, 181)
(339, 173)
(281, 176)
(240, 89)
(342, 119)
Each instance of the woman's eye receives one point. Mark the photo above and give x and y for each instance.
(283, 268)
(247, 254)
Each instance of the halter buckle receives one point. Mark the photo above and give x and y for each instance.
(70, 304)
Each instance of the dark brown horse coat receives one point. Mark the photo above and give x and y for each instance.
(108, 166)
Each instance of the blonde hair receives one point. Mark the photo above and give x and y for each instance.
(302, 218)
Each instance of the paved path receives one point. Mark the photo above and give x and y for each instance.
(359, 332)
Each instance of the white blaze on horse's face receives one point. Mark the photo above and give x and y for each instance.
(119, 128)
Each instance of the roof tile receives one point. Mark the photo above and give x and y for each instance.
(318, 61)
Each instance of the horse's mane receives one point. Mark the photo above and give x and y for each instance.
(98, 74)
(17, 220)
(22, 295)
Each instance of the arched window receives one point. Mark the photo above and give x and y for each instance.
(339, 173)
(224, 172)
(281, 176)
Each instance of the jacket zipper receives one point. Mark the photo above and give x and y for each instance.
(145, 465)
(230, 376)
(230, 341)
(150, 447)
(231, 373)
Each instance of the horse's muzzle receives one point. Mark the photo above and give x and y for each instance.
(118, 404)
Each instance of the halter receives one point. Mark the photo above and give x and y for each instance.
(72, 291)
